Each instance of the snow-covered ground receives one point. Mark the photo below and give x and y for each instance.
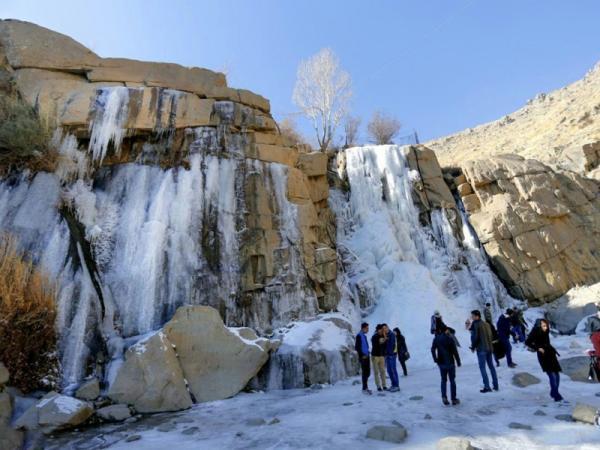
(338, 416)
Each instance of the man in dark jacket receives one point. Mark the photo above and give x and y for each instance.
(361, 345)
(481, 342)
(378, 357)
(391, 351)
(445, 354)
(503, 327)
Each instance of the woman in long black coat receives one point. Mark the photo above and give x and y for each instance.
(539, 341)
(403, 354)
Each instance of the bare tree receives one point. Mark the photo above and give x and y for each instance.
(288, 128)
(351, 125)
(382, 128)
(323, 92)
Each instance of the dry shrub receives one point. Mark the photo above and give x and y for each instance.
(24, 137)
(27, 316)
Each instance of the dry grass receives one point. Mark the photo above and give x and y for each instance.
(27, 316)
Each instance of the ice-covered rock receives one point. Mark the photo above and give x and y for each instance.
(315, 352)
(62, 411)
(519, 426)
(150, 379)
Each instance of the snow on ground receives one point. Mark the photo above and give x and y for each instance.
(338, 416)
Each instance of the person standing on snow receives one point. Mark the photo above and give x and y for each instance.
(436, 323)
(481, 342)
(445, 355)
(378, 357)
(403, 354)
(518, 325)
(391, 351)
(539, 341)
(594, 328)
(503, 327)
(361, 346)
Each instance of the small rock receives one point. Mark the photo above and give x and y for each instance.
(519, 426)
(131, 420)
(89, 390)
(575, 345)
(524, 379)
(256, 422)
(191, 430)
(61, 411)
(166, 427)
(133, 437)
(427, 417)
(597, 394)
(347, 404)
(539, 412)
(416, 397)
(454, 443)
(486, 412)
(355, 383)
(577, 368)
(274, 421)
(564, 417)
(381, 394)
(114, 413)
(584, 413)
(316, 387)
(4, 375)
(395, 434)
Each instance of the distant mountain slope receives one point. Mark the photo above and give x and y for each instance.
(553, 128)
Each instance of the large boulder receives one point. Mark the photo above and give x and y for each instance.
(540, 228)
(89, 390)
(150, 379)
(217, 362)
(585, 413)
(54, 412)
(568, 311)
(577, 368)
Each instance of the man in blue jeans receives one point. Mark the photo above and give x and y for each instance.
(391, 351)
(445, 354)
(503, 328)
(481, 342)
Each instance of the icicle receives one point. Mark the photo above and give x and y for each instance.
(109, 121)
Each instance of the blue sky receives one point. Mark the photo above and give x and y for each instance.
(438, 65)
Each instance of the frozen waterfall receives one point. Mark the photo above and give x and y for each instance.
(399, 270)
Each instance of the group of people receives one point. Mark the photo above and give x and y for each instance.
(386, 346)
(490, 343)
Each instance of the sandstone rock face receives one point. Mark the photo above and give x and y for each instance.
(561, 128)
(217, 362)
(540, 228)
(151, 379)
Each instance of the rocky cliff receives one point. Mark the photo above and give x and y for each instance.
(559, 128)
(171, 188)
